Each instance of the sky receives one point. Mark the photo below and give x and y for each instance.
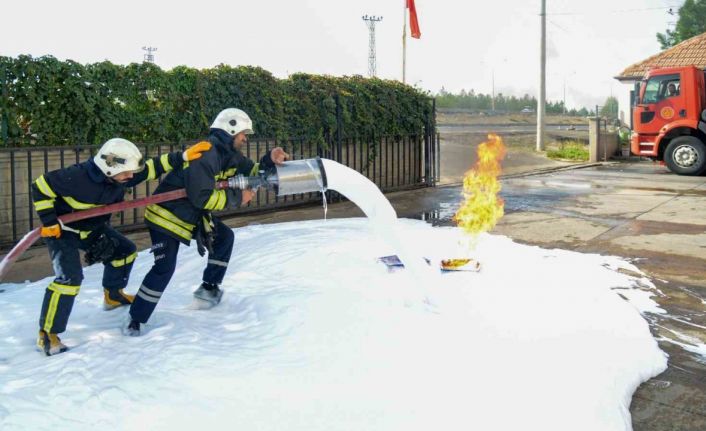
(464, 45)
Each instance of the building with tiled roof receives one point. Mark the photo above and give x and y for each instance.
(690, 52)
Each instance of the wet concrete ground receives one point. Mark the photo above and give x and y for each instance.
(642, 212)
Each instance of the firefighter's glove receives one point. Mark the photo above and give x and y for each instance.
(204, 236)
(101, 249)
(194, 152)
(53, 231)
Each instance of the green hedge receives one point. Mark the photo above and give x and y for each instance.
(45, 101)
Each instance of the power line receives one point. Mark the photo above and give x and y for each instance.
(669, 9)
(558, 26)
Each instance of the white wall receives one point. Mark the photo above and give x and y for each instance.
(624, 101)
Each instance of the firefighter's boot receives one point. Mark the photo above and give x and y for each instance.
(114, 298)
(50, 344)
(132, 329)
(208, 295)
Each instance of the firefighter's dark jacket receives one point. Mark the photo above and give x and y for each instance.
(179, 218)
(83, 186)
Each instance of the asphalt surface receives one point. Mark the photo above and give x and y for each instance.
(504, 128)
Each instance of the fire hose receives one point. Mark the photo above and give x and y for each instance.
(299, 176)
(34, 235)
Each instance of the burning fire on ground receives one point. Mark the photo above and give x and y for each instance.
(482, 208)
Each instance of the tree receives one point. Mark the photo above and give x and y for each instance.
(691, 22)
(610, 108)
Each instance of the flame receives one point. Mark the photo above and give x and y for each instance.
(482, 207)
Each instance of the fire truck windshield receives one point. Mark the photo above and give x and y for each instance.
(660, 87)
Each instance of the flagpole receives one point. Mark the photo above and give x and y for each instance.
(404, 42)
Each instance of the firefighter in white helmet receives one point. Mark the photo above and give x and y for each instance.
(174, 222)
(101, 180)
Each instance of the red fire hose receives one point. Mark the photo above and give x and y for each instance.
(33, 235)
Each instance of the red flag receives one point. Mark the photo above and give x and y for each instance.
(413, 23)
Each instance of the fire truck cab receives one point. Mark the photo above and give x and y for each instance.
(669, 121)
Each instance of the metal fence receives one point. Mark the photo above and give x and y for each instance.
(391, 162)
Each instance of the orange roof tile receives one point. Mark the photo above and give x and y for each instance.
(690, 52)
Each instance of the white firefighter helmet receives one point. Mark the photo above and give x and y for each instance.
(118, 155)
(233, 121)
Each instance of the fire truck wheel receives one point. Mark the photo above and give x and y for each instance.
(686, 155)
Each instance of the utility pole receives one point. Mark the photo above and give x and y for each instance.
(370, 21)
(542, 78)
(565, 96)
(148, 57)
(492, 102)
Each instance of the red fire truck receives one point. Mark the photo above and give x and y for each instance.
(669, 119)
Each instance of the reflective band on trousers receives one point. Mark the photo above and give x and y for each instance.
(57, 290)
(51, 311)
(218, 262)
(148, 294)
(64, 289)
(124, 261)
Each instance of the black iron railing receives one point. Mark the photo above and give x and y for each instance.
(391, 162)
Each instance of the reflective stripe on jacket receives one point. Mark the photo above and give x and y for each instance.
(178, 218)
(83, 186)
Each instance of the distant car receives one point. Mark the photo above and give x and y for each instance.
(527, 111)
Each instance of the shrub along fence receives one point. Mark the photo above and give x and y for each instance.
(47, 102)
(54, 114)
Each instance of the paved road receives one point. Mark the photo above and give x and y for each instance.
(503, 128)
(458, 155)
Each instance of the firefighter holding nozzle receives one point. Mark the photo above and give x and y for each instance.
(179, 221)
